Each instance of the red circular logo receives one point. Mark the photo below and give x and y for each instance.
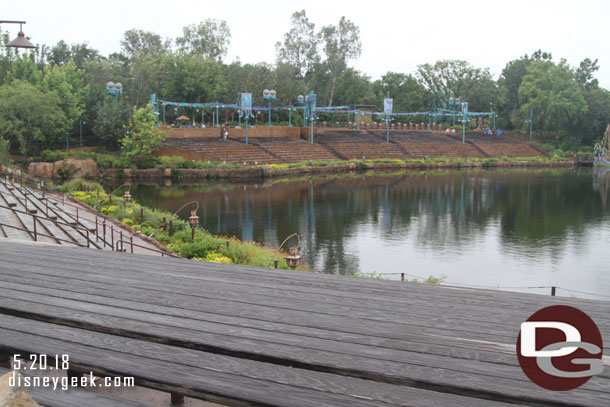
(560, 348)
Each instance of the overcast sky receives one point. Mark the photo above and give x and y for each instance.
(396, 35)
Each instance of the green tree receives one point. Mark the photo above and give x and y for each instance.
(112, 117)
(457, 78)
(341, 44)
(209, 38)
(29, 116)
(553, 94)
(68, 83)
(585, 74)
(5, 150)
(408, 94)
(192, 78)
(353, 87)
(143, 135)
(24, 68)
(300, 44)
(137, 41)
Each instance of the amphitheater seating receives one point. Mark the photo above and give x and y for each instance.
(501, 149)
(442, 149)
(298, 151)
(333, 144)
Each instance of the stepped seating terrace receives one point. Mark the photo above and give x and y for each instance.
(442, 149)
(333, 144)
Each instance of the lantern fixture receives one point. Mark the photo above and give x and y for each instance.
(293, 260)
(21, 41)
(193, 219)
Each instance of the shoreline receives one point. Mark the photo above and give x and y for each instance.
(271, 171)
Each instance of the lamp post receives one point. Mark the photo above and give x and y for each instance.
(193, 219)
(464, 120)
(531, 121)
(114, 89)
(310, 110)
(21, 41)
(269, 96)
(81, 122)
(126, 196)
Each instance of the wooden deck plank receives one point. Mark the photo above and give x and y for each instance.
(74, 397)
(316, 381)
(248, 313)
(315, 283)
(503, 322)
(496, 381)
(391, 291)
(335, 330)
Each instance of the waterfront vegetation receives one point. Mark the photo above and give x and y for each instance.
(150, 222)
(106, 160)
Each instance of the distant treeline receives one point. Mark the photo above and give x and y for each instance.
(62, 88)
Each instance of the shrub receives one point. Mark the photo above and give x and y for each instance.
(52, 156)
(146, 162)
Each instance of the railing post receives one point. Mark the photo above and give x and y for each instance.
(171, 228)
(553, 290)
(77, 214)
(275, 264)
(402, 277)
(88, 243)
(121, 241)
(97, 235)
(176, 399)
(46, 204)
(104, 233)
(112, 237)
(35, 235)
(131, 242)
(141, 215)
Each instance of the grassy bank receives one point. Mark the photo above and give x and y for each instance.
(204, 246)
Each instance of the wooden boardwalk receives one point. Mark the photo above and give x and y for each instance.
(248, 336)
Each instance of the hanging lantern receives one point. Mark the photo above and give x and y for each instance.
(293, 259)
(127, 196)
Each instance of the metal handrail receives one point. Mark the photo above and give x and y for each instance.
(44, 218)
(132, 244)
(81, 228)
(44, 235)
(25, 192)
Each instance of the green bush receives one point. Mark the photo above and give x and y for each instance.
(146, 162)
(53, 155)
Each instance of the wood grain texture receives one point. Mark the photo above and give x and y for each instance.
(319, 333)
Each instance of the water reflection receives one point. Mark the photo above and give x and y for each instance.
(484, 227)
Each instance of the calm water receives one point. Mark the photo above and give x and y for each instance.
(502, 229)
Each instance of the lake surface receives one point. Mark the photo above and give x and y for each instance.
(497, 229)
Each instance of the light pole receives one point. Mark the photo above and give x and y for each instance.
(530, 121)
(193, 219)
(310, 110)
(114, 89)
(81, 122)
(464, 120)
(269, 96)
